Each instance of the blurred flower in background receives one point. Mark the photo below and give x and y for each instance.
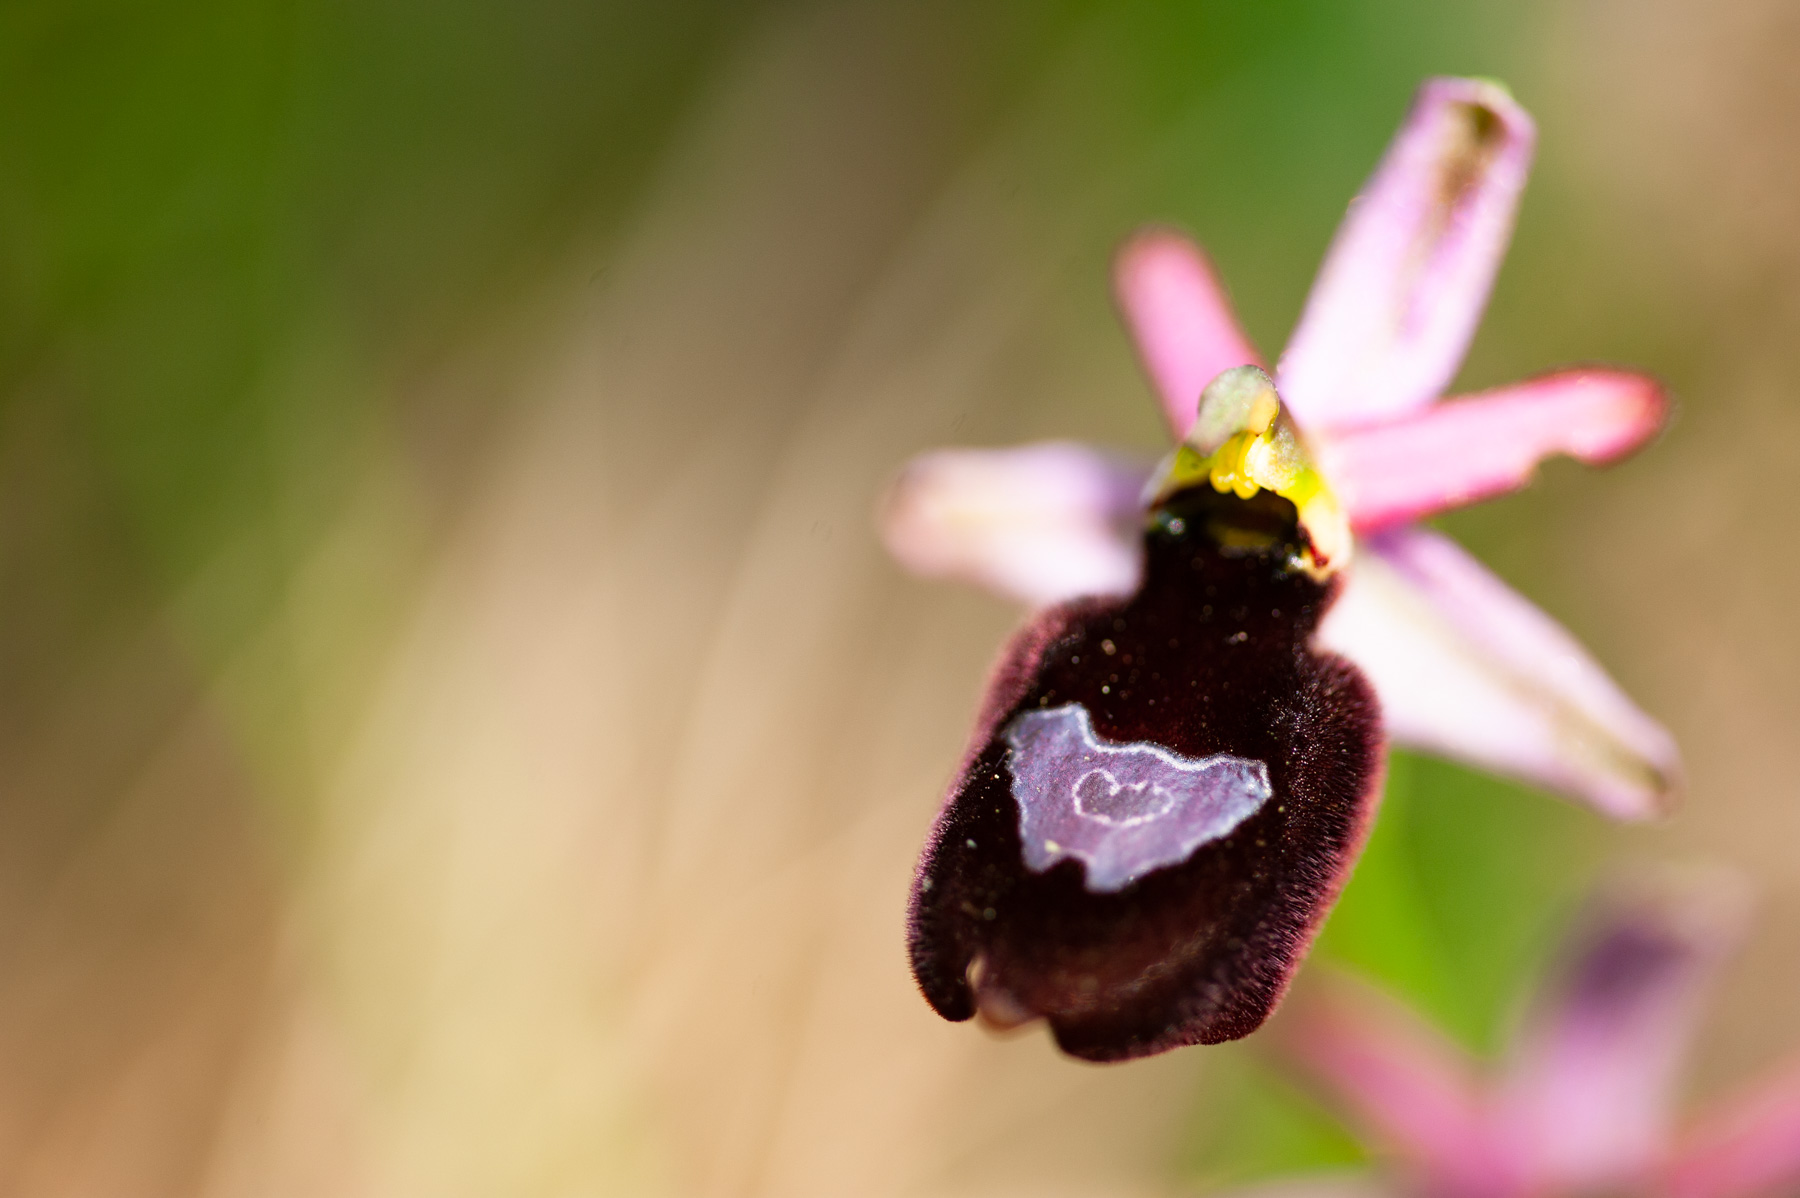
(1585, 1103)
(460, 733)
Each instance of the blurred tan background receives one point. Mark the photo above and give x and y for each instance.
(458, 733)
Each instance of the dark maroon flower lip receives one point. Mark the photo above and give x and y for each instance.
(1143, 844)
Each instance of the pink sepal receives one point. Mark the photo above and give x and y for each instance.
(1468, 668)
(1406, 279)
(1039, 523)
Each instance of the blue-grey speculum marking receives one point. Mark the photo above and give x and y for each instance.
(1123, 810)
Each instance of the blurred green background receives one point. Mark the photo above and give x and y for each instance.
(457, 732)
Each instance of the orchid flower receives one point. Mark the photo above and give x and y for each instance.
(1178, 755)
(1583, 1102)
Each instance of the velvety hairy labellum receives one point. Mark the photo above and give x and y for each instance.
(1163, 803)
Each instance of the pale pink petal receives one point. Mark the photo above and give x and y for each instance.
(1483, 445)
(1179, 318)
(1749, 1148)
(1469, 669)
(1404, 284)
(1041, 523)
(1590, 1089)
(1408, 1088)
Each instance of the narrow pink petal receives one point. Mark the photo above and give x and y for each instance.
(1040, 523)
(1749, 1148)
(1404, 283)
(1469, 669)
(1411, 1090)
(1591, 1084)
(1484, 445)
(1180, 319)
